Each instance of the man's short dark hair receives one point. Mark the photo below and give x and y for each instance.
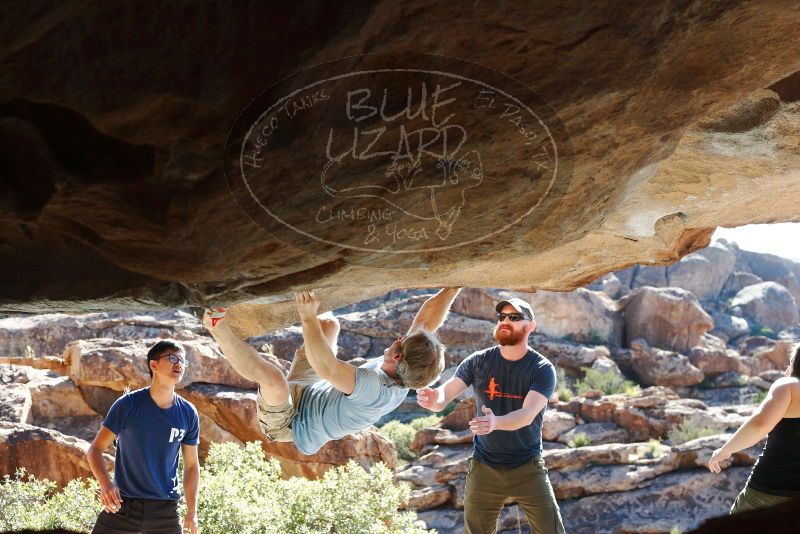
(157, 350)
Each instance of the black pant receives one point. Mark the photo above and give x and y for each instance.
(145, 516)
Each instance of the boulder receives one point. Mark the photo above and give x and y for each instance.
(598, 433)
(15, 403)
(44, 453)
(567, 354)
(729, 326)
(726, 380)
(418, 475)
(605, 478)
(460, 417)
(443, 520)
(704, 272)
(57, 403)
(49, 334)
(697, 452)
(581, 315)
(428, 497)
(581, 457)
(649, 276)
(556, 423)
(117, 364)
(667, 318)
(283, 344)
(682, 499)
(713, 360)
(657, 367)
(479, 303)
(737, 281)
(767, 305)
(771, 376)
(611, 285)
(210, 433)
(607, 366)
(790, 334)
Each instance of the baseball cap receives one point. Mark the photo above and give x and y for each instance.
(520, 305)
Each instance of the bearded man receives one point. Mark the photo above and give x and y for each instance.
(512, 384)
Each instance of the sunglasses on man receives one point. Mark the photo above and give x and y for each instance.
(513, 317)
(174, 358)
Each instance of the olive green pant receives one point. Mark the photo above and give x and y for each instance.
(752, 499)
(528, 485)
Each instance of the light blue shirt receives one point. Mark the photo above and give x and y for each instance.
(327, 414)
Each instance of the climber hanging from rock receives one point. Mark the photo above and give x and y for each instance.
(324, 398)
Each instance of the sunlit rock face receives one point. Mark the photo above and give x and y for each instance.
(112, 135)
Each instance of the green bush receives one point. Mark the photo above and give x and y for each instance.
(759, 397)
(402, 434)
(563, 391)
(29, 503)
(579, 440)
(241, 492)
(758, 330)
(608, 383)
(653, 449)
(689, 430)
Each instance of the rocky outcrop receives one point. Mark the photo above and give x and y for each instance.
(583, 316)
(667, 318)
(647, 183)
(658, 367)
(703, 273)
(683, 499)
(116, 364)
(44, 453)
(768, 305)
(49, 334)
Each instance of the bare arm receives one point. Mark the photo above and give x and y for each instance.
(109, 492)
(533, 404)
(436, 399)
(769, 414)
(320, 356)
(191, 485)
(434, 310)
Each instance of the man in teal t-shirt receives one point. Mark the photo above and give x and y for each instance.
(324, 398)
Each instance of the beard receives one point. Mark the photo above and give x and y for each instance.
(506, 336)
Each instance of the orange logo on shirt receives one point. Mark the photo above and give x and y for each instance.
(494, 391)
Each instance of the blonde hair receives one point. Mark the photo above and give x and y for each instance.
(423, 360)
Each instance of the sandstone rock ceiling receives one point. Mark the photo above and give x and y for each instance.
(682, 116)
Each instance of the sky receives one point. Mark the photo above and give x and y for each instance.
(782, 239)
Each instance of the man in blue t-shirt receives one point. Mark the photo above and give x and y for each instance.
(324, 398)
(151, 426)
(512, 384)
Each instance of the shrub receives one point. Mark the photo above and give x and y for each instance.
(244, 493)
(402, 434)
(758, 330)
(563, 391)
(689, 430)
(29, 503)
(579, 440)
(608, 383)
(759, 397)
(653, 449)
(241, 492)
(424, 422)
